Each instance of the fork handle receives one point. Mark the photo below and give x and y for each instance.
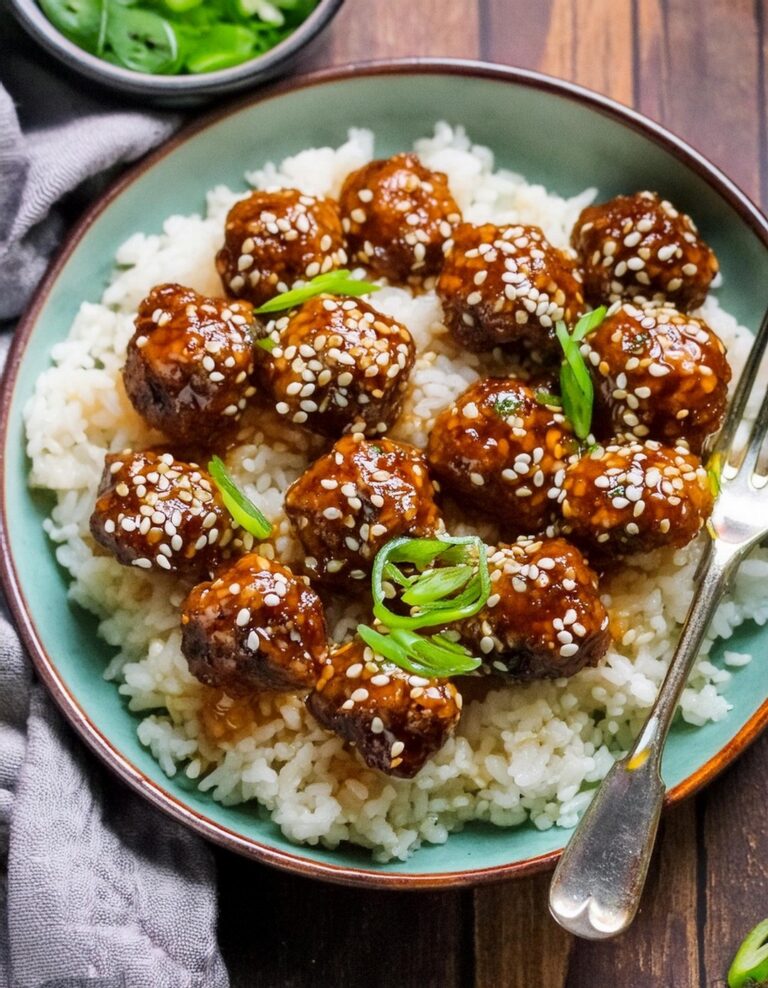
(599, 880)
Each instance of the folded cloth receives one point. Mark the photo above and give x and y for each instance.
(97, 887)
(59, 138)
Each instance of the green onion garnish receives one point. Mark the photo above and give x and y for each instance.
(433, 656)
(451, 583)
(750, 965)
(547, 398)
(435, 606)
(266, 343)
(242, 509)
(575, 381)
(338, 282)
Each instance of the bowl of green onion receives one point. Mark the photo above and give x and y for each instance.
(176, 51)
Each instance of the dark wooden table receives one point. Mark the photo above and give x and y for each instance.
(697, 66)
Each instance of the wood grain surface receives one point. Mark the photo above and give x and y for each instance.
(697, 66)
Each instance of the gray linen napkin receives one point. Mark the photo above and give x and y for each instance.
(97, 888)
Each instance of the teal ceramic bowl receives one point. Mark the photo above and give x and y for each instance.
(553, 133)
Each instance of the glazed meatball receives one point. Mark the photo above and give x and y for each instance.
(507, 285)
(338, 366)
(660, 373)
(397, 214)
(188, 364)
(544, 618)
(394, 719)
(273, 239)
(498, 449)
(353, 500)
(255, 627)
(155, 512)
(633, 497)
(641, 246)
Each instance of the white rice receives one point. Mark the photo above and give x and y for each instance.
(531, 751)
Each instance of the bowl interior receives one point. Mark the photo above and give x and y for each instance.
(548, 137)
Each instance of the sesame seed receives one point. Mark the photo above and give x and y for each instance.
(359, 695)
(243, 617)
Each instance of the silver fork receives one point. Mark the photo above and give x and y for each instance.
(599, 880)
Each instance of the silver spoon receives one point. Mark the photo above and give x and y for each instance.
(599, 880)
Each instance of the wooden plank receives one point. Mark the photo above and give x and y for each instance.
(661, 947)
(514, 32)
(517, 944)
(698, 74)
(735, 858)
(279, 930)
(370, 29)
(585, 41)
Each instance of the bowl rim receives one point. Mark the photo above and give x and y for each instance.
(34, 21)
(43, 662)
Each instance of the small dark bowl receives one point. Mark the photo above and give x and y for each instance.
(174, 90)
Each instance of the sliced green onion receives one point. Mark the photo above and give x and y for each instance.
(547, 398)
(223, 46)
(750, 965)
(588, 323)
(575, 381)
(445, 658)
(388, 648)
(452, 583)
(242, 509)
(80, 20)
(437, 583)
(420, 552)
(266, 343)
(142, 40)
(383, 645)
(393, 574)
(338, 282)
(181, 6)
(433, 609)
(435, 656)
